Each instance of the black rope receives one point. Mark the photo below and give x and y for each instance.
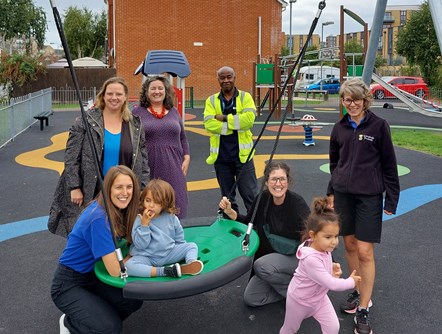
(299, 60)
(98, 170)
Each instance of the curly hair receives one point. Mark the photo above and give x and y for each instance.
(357, 89)
(101, 104)
(168, 99)
(274, 165)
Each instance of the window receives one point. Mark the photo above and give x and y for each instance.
(403, 17)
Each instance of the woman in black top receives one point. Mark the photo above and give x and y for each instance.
(279, 220)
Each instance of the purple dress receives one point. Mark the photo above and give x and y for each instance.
(166, 144)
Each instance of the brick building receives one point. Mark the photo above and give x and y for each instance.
(210, 33)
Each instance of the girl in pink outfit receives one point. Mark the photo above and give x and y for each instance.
(316, 273)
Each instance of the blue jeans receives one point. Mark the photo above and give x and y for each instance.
(227, 173)
(90, 305)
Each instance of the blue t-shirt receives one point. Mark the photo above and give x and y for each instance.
(90, 239)
(111, 150)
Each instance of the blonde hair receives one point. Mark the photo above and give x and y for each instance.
(357, 89)
(101, 104)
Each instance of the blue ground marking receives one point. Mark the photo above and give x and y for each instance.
(409, 200)
(415, 197)
(16, 229)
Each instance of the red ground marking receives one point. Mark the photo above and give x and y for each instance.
(189, 117)
(288, 128)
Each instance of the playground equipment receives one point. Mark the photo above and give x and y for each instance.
(308, 122)
(412, 101)
(174, 63)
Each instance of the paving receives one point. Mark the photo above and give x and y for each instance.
(406, 295)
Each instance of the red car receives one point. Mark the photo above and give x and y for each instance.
(412, 85)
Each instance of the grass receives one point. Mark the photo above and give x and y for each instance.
(419, 140)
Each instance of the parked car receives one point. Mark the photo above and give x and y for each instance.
(412, 85)
(331, 85)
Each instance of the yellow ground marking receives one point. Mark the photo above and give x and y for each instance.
(325, 109)
(259, 160)
(37, 158)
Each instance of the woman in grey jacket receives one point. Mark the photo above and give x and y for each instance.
(118, 139)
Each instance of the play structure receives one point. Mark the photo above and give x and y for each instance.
(173, 63)
(219, 248)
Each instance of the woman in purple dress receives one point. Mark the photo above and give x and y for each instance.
(166, 141)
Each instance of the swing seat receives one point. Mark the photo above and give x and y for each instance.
(219, 248)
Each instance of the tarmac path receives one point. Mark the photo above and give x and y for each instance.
(407, 291)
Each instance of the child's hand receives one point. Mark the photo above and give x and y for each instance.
(356, 278)
(147, 216)
(337, 271)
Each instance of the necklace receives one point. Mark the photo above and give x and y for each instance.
(158, 115)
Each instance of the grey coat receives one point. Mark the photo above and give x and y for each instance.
(80, 171)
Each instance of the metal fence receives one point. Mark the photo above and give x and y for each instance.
(18, 114)
(62, 96)
(68, 96)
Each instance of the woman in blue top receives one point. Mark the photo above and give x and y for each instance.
(90, 306)
(117, 138)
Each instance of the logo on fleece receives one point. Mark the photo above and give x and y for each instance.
(365, 137)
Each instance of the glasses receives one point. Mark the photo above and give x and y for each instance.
(281, 180)
(348, 102)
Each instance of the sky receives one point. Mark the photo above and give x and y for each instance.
(303, 13)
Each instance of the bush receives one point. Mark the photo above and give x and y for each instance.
(20, 68)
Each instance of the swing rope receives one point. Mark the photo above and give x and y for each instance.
(58, 22)
(246, 241)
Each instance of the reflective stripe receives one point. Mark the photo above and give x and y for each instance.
(236, 123)
(249, 109)
(214, 150)
(212, 100)
(224, 128)
(246, 146)
(209, 117)
(242, 96)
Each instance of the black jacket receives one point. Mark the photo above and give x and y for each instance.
(286, 220)
(363, 161)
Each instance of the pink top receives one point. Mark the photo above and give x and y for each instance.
(313, 277)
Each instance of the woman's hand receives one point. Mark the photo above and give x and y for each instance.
(77, 196)
(226, 206)
(331, 201)
(185, 165)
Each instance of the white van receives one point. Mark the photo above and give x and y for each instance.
(309, 74)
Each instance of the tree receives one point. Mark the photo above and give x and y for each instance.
(20, 68)
(85, 32)
(417, 41)
(21, 19)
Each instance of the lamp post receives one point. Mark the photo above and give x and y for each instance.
(326, 23)
(322, 31)
(291, 37)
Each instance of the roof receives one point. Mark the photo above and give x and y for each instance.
(88, 62)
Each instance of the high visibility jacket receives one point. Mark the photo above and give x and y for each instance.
(242, 122)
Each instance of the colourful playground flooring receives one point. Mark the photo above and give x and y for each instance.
(407, 293)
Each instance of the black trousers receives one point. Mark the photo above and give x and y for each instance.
(90, 305)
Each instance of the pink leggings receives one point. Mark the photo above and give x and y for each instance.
(323, 312)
